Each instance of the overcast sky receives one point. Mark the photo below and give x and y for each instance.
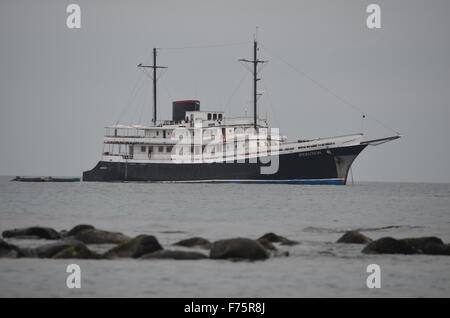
(59, 87)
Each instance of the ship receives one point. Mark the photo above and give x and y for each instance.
(206, 146)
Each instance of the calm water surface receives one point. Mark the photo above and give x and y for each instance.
(315, 215)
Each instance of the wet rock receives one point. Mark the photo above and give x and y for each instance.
(354, 237)
(436, 249)
(177, 255)
(389, 245)
(238, 248)
(8, 250)
(136, 247)
(50, 250)
(34, 231)
(420, 243)
(267, 244)
(95, 236)
(428, 245)
(274, 238)
(78, 252)
(193, 242)
(78, 228)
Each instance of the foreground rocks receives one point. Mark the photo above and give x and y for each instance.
(238, 248)
(8, 250)
(354, 237)
(64, 249)
(421, 245)
(274, 238)
(79, 228)
(95, 236)
(136, 247)
(388, 245)
(194, 242)
(177, 255)
(72, 244)
(33, 232)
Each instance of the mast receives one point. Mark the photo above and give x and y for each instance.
(255, 63)
(154, 67)
(255, 82)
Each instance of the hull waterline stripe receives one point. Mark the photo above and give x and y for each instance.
(294, 181)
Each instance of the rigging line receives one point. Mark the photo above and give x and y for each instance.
(129, 101)
(272, 108)
(203, 46)
(344, 101)
(166, 89)
(228, 104)
(144, 102)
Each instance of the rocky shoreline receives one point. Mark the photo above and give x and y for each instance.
(74, 244)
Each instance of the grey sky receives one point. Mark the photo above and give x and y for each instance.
(60, 87)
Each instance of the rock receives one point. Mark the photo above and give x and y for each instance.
(35, 231)
(178, 255)
(274, 238)
(78, 252)
(136, 247)
(194, 241)
(354, 237)
(428, 245)
(8, 250)
(51, 250)
(436, 249)
(420, 243)
(267, 244)
(389, 245)
(78, 228)
(95, 236)
(238, 248)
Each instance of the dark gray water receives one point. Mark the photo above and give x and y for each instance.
(315, 215)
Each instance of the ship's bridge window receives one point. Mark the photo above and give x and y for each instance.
(143, 149)
(220, 116)
(214, 116)
(161, 148)
(169, 148)
(157, 133)
(209, 116)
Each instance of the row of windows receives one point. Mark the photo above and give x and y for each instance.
(151, 149)
(214, 116)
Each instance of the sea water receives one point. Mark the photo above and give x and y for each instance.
(316, 216)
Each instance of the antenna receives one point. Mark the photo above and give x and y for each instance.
(255, 63)
(154, 67)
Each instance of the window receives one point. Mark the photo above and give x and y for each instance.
(157, 133)
(161, 148)
(169, 148)
(220, 116)
(150, 149)
(214, 116)
(143, 149)
(209, 116)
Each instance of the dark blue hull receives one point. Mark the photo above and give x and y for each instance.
(328, 166)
